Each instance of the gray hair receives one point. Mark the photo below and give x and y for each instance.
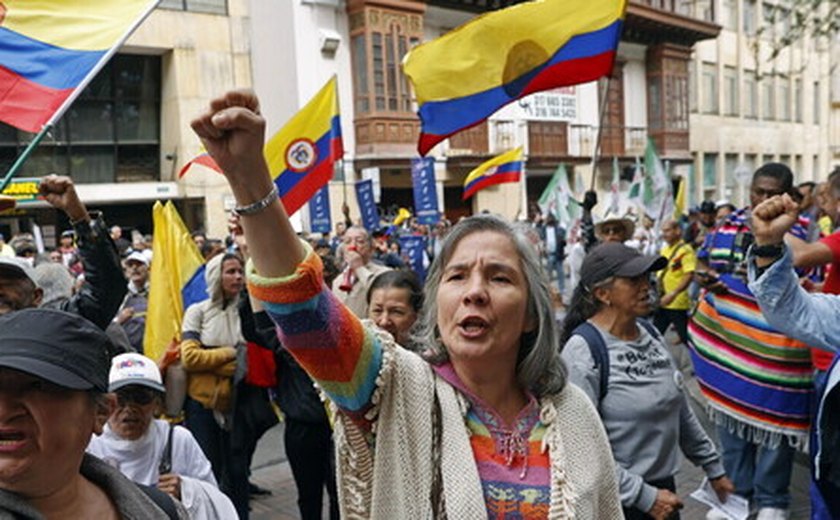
(539, 368)
(56, 282)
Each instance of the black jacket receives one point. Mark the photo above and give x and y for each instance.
(104, 288)
(296, 394)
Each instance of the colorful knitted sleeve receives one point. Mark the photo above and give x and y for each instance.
(325, 338)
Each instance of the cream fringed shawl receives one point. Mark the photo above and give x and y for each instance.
(397, 476)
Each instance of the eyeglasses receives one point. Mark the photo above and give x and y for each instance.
(135, 395)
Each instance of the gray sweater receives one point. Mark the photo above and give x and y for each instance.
(131, 502)
(645, 412)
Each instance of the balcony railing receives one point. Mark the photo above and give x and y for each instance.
(548, 139)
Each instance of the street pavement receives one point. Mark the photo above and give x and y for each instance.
(271, 470)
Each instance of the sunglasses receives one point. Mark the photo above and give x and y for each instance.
(135, 395)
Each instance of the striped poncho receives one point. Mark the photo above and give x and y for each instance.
(757, 381)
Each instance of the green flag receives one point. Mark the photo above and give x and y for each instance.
(557, 200)
(657, 195)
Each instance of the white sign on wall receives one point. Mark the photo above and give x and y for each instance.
(559, 104)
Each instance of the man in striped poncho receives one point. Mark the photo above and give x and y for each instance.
(756, 380)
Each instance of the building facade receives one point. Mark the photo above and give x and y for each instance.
(756, 99)
(680, 80)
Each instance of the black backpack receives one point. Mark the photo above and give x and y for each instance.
(598, 349)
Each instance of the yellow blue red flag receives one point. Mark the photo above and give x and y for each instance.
(50, 49)
(176, 280)
(506, 167)
(467, 74)
(302, 155)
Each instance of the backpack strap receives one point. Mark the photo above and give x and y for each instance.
(162, 500)
(165, 465)
(652, 330)
(598, 350)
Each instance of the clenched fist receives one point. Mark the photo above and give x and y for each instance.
(773, 218)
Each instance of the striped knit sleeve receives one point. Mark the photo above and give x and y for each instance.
(325, 338)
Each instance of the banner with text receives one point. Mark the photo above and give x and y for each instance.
(319, 210)
(367, 205)
(425, 193)
(413, 248)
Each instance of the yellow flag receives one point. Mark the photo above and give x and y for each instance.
(681, 201)
(177, 274)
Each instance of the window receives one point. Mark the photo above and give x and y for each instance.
(784, 100)
(730, 91)
(730, 14)
(749, 19)
(768, 94)
(196, 6)
(797, 100)
(710, 170)
(730, 164)
(749, 162)
(768, 14)
(710, 88)
(692, 84)
(111, 133)
(817, 105)
(750, 95)
(378, 49)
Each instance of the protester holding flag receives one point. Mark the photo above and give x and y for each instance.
(532, 444)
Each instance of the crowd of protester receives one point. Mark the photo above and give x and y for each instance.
(549, 344)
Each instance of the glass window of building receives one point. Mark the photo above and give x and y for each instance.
(730, 91)
(110, 133)
(196, 6)
(710, 176)
(768, 95)
(692, 86)
(730, 14)
(784, 100)
(749, 17)
(378, 44)
(710, 89)
(768, 15)
(817, 106)
(797, 100)
(750, 95)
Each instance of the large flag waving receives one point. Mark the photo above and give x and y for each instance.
(51, 49)
(658, 197)
(301, 156)
(176, 281)
(506, 167)
(464, 76)
(557, 198)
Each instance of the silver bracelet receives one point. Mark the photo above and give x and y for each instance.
(256, 207)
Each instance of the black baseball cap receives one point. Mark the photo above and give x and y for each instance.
(615, 259)
(708, 207)
(57, 346)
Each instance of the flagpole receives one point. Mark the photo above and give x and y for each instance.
(605, 97)
(24, 155)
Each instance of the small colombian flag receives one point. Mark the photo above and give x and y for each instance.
(506, 167)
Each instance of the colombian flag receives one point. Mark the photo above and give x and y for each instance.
(176, 280)
(464, 76)
(302, 155)
(50, 49)
(500, 169)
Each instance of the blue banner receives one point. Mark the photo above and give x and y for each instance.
(367, 205)
(425, 193)
(319, 210)
(413, 248)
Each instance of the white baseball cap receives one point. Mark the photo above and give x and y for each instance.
(17, 267)
(134, 369)
(137, 256)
